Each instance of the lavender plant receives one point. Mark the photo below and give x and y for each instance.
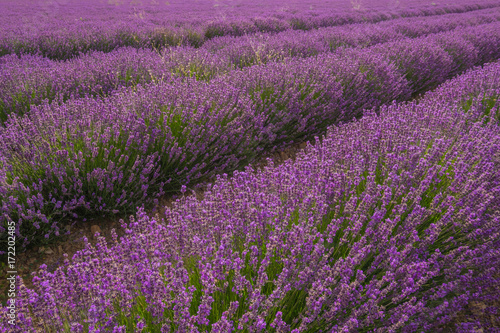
(113, 155)
(97, 26)
(90, 156)
(260, 48)
(389, 223)
(30, 80)
(475, 91)
(301, 97)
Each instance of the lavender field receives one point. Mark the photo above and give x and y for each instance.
(167, 115)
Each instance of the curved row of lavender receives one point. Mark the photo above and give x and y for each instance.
(31, 79)
(91, 156)
(469, 88)
(255, 49)
(103, 27)
(390, 223)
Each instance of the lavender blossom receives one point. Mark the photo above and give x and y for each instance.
(387, 223)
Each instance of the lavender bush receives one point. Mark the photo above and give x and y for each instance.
(258, 48)
(90, 156)
(111, 156)
(389, 223)
(299, 98)
(30, 80)
(42, 28)
(430, 60)
(475, 91)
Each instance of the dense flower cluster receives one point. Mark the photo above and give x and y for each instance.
(28, 80)
(65, 28)
(391, 223)
(474, 91)
(258, 48)
(89, 156)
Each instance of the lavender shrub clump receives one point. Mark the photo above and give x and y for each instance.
(299, 98)
(115, 154)
(29, 80)
(429, 61)
(97, 26)
(89, 156)
(388, 223)
(161, 137)
(259, 48)
(475, 91)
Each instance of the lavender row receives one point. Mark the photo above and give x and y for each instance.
(31, 79)
(107, 156)
(468, 40)
(256, 49)
(158, 25)
(91, 156)
(389, 223)
(330, 17)
(473, 92)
